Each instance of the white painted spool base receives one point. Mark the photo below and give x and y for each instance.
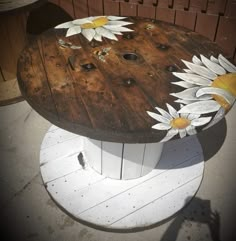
(120, 204)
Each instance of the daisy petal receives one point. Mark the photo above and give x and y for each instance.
(65, 25)
(117, 33)
(113, 18)
(188, 71)
(73, 30)
(215, 60)
(186, 102)
(172, 111)
(183, 115)
(117, 28)
(158, 117)
(203, 71)
(164, 113)
(191, 130)
(193, 78)
(216, 68)
(193, 116)
(88, 33)
(196, 60)
(98, 37)
(217, 91)
(120, 23)
(183, 84)
(218, 116)
(82, 21)
(201, 107)
(170, 134)
(161, 126)
(106, 33)
(190, 94)
(182, 133)
(200, 121)
(226, 64)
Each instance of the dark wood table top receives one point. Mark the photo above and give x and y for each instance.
(104, 89)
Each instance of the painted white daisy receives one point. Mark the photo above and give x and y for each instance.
(210, 86)
(176, 123)
(97, 27)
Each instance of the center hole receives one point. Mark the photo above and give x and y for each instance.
(130, 56)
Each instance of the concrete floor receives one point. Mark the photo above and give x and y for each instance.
(28, 213)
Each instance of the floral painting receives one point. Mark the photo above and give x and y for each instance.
(209, 87)
(97, 27)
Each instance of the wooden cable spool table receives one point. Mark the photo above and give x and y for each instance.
(107, 166)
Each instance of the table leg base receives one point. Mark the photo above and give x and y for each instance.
(120, 204)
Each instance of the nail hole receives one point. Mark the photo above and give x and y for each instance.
(171, 68)
(88, 67)
(129, 82)
(162, 47)
(130, 56)
(128, 36)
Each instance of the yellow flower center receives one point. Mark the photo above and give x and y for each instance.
(98, 22)
(226, 82)
(180, 123)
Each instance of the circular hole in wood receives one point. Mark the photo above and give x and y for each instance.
(130, 56)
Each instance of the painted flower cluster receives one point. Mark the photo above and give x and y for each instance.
(209, 86)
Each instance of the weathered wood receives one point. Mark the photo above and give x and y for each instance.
(110, 100)
(226, 35)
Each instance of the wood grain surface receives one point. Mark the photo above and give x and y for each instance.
(108, 102)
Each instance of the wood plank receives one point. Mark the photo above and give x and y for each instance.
(132, 160)
(93, 153)
(8, 67)
(95, 7)
(111, 8)
(226, 37)
(65, 166)
(196, 5)
(121, 209)
(32, 81)
(9, 92)
(158, 209)
(165, 14)
(81, 8)
(230, 9)
(146, 11)
(95, 91)
(56, 136)
(163, 4)
(207, 30)
(64, 149)
(62, 83)
(127, 9)
(186, 19)
(181, 4)
(216, 7)
(112, 159)
(67, 5)
(153, 152)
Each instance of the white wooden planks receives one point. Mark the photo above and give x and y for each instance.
(121, 204)
(112, 159)
(122, 160)
(133, 160)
